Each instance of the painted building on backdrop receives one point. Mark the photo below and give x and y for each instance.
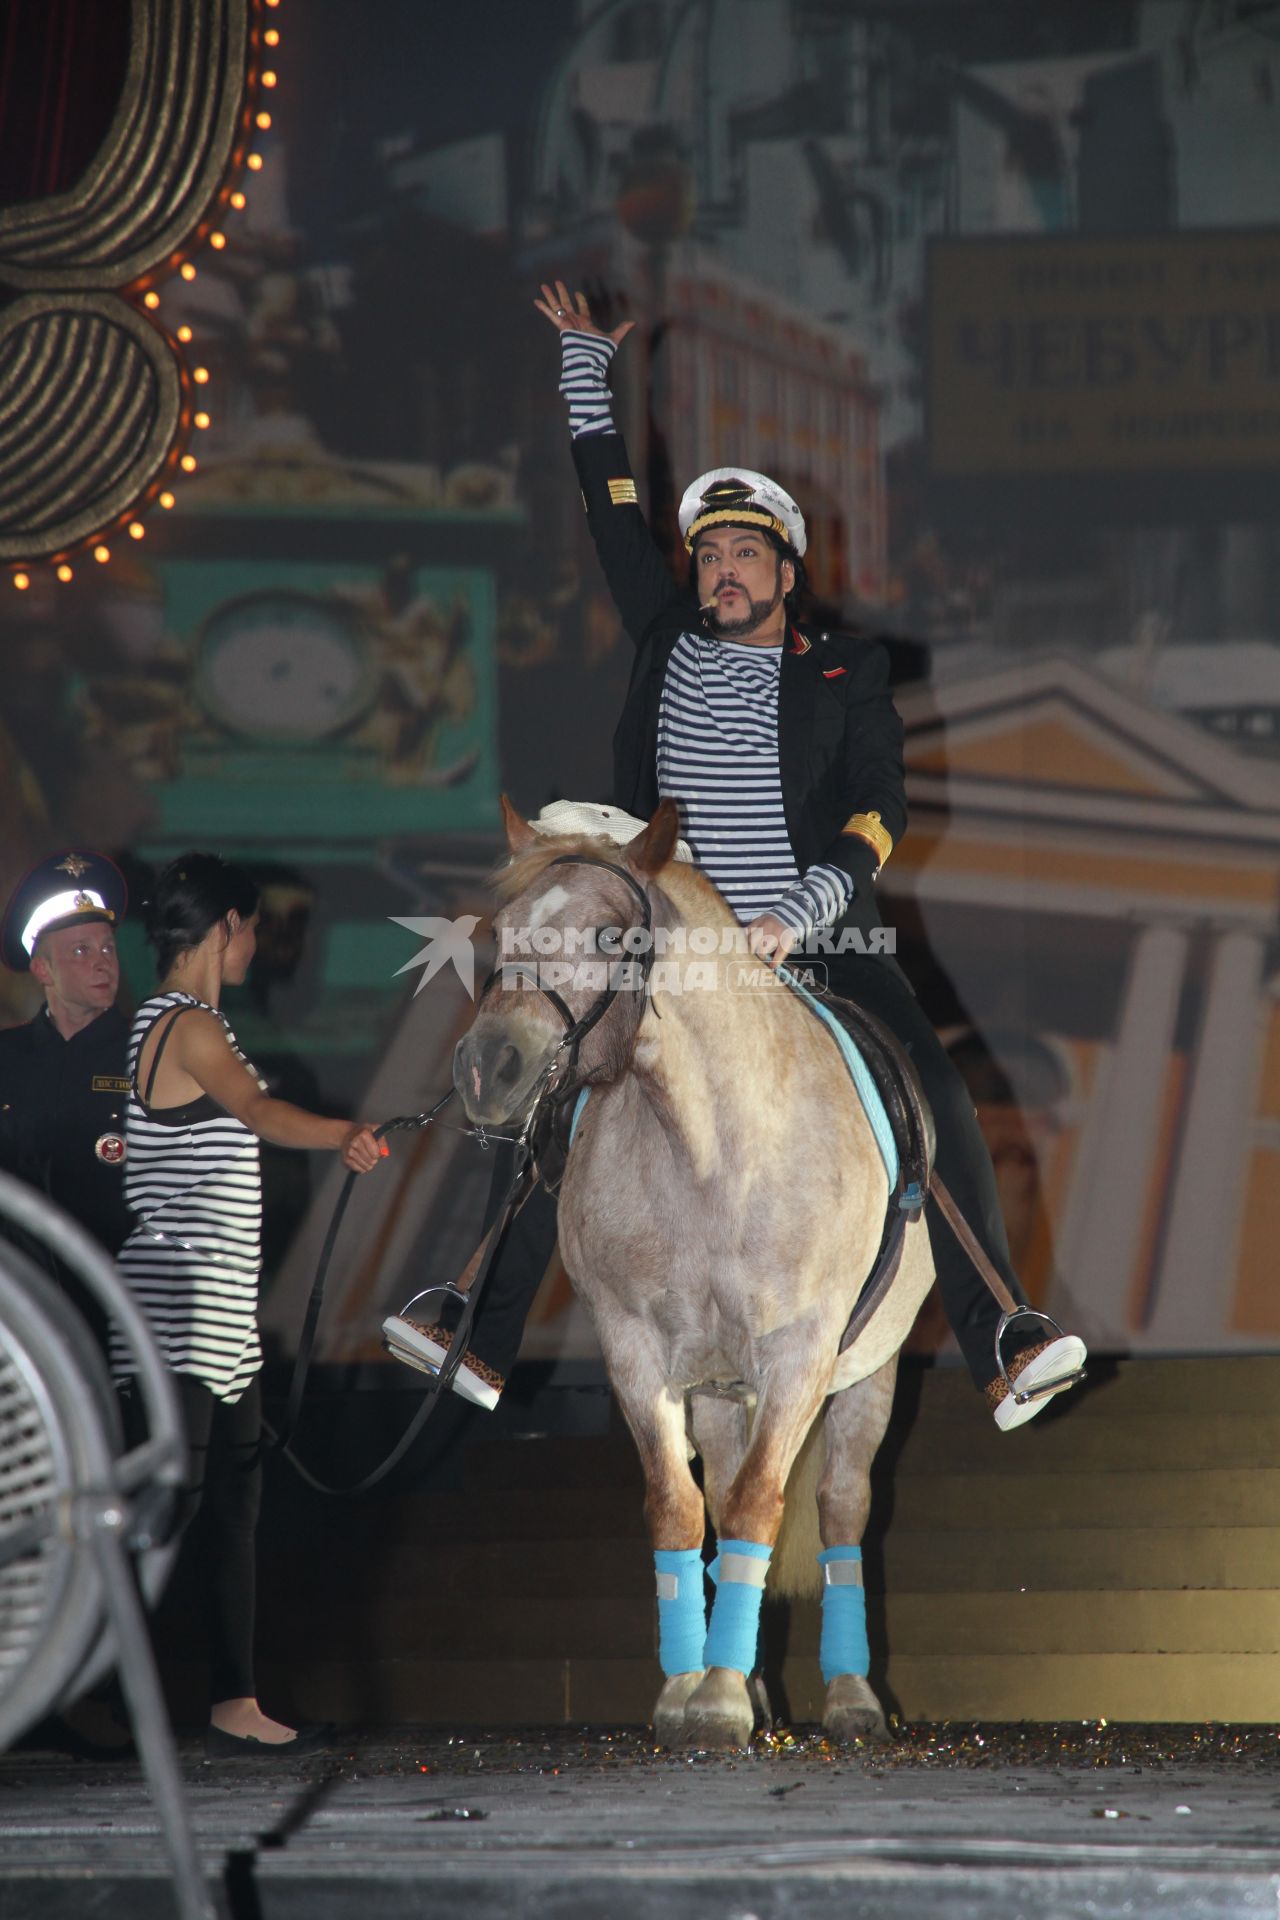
(996, 294)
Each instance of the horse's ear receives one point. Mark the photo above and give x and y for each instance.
(650, 851)
(520, 835)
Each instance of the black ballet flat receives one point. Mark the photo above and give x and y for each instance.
(219, 1745)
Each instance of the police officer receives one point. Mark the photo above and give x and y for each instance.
(63, 1088)
(63, 1092)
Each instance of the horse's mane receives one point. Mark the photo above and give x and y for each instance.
(696, 897)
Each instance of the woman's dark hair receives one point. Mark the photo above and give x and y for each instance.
(193, 894)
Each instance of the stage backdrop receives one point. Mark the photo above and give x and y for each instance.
(996, 292)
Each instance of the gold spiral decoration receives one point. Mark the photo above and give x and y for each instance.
(90, 399)
(93, 395)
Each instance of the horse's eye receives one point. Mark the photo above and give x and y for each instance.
(609, 941)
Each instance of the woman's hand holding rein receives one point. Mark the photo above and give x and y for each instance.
(201, 1059)
(362, 1149)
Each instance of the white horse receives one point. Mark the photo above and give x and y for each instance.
(721, 1207)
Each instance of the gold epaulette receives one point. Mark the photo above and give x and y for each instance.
(623, 493)
(870, 827)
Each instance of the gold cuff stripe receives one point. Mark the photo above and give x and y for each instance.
(869, 827)
(623, 493)
(734, 517)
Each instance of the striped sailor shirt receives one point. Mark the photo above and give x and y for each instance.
(718, 757)
(193, 1260)
(718, 730)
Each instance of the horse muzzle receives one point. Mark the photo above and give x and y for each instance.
(496, 1072)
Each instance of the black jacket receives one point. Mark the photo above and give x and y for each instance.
(839, 734)
(62, 1109)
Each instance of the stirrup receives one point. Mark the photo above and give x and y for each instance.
(445, 1287)
(1042, 1387)
(458, 1348)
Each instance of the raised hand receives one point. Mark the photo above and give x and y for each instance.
(570, 313)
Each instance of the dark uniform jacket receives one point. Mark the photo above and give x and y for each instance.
(59, 1099)
(839, 735)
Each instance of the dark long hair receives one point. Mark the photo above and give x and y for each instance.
(195, 893)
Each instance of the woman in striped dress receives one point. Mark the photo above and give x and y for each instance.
(197, 1110)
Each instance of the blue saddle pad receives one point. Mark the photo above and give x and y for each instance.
(859, 1072)
(865, 1087)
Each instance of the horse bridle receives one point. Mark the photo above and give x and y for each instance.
(563, 1065)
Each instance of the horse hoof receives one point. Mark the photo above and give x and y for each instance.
(669, 1712)
(719, 1715)
(761, 1705)
(853, 1712)
(716, 1733)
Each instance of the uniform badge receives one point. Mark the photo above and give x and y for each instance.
(110, 1148)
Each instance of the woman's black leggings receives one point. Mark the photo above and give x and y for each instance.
(219, 1513)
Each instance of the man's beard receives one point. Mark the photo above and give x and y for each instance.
(757, 613)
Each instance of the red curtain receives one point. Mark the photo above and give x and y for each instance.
(62, 67)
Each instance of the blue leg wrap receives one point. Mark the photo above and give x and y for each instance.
(843, 1647)
(682, 1611)
(758, 1660)
(739, 1572)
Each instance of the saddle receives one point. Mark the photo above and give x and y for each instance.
(898, 1085)
(911, 1122)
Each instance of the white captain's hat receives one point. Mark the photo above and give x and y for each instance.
(737, 497)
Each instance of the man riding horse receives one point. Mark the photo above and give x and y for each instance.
(783, 748)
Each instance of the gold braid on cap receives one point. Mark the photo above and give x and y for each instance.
(870, 827)
(735, 517)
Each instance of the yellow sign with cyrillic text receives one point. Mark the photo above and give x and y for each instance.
(1062, 355)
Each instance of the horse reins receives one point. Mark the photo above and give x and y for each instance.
(511, 1203)
(554, 1086)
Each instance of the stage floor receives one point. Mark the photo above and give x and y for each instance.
(989, 1823)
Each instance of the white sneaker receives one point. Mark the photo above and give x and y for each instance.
(427, 1349)
(1058, 1361)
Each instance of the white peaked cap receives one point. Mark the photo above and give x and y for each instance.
(611, 823)
(735, 496)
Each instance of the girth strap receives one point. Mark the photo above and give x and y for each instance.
(882, 1277)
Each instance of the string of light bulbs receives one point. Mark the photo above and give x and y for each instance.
(261, 81)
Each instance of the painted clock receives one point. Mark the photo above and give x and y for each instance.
(283, 667)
